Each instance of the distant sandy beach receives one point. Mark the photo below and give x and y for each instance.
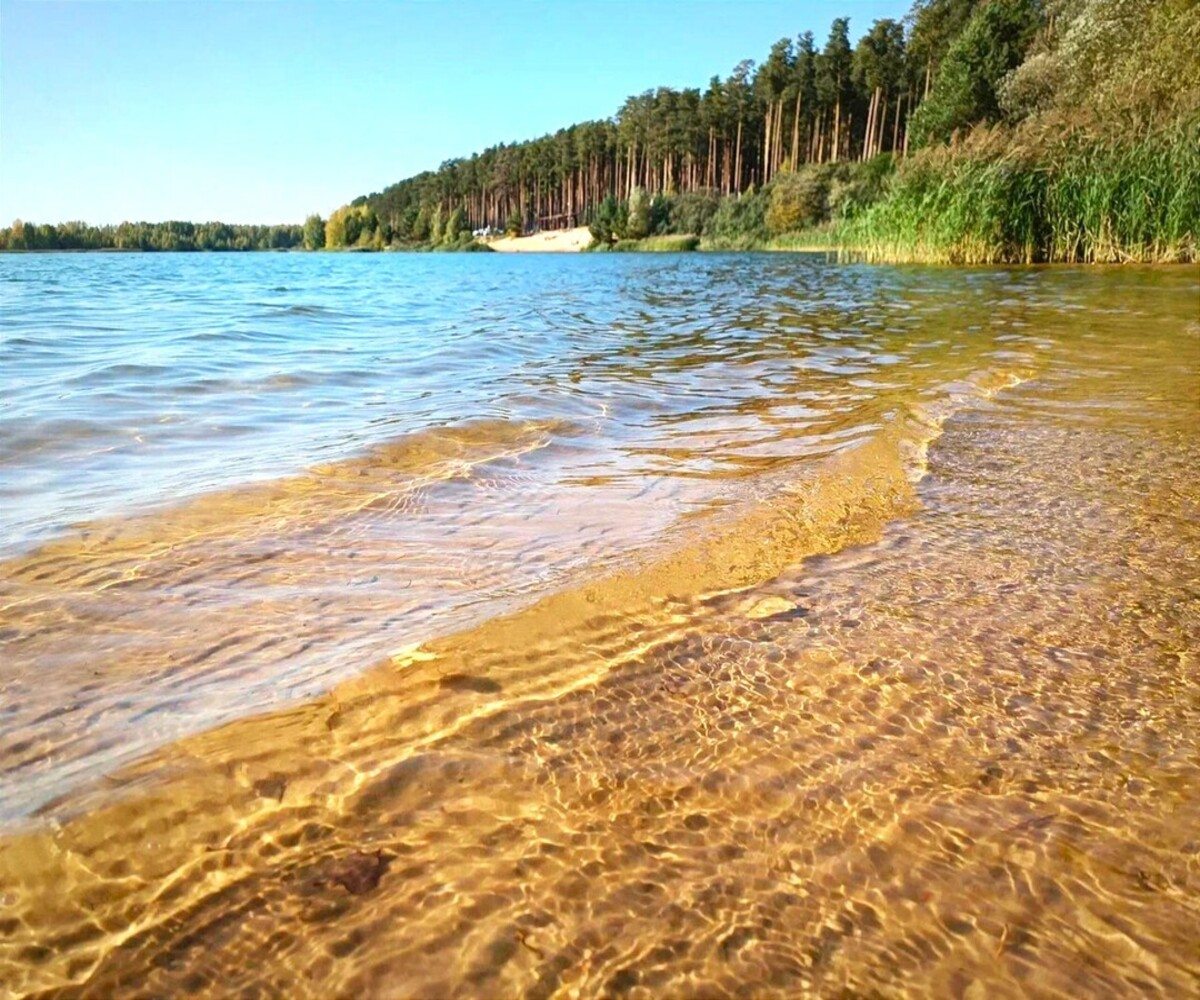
(557, 241)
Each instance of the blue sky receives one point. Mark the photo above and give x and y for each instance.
(264, 112)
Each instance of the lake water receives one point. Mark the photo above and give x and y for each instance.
(491, 625)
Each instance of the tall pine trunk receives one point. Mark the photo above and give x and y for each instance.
(737, 167)
(881, 129)
(766, 143)
(837, 130)
(796, 133)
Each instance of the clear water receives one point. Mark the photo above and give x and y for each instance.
(530, 625)
(132, 381)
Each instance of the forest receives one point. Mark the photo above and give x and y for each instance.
(972, 131)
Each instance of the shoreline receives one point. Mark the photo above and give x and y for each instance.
(579, 240)
(850, 662)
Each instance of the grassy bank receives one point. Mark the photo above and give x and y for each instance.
(668, 243)
(1013, 198)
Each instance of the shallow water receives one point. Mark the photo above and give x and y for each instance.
(690, 625)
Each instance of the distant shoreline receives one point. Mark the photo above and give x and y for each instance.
(579, 239)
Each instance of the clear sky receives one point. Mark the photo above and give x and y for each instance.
(265, 112)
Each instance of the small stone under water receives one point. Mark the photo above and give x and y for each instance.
(769, 607)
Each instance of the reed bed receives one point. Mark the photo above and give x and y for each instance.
(1074, 198)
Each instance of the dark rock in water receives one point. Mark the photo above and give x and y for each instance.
(271, 788)
(622, 981)
(465, 682)
(357, 872)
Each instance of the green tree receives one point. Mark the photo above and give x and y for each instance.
(833, 73)
(879, 70)
(314, 233)
(966, 91)
(335, 229)
(603, 221)
(352, 224)
(456, 225)
(933, 26)
(421, 224)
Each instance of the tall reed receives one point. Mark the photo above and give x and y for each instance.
(1077, 197)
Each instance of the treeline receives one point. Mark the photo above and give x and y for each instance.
(358, 227)
(149, 236)
(806, 103)
(1002, 130)
(1064, 131)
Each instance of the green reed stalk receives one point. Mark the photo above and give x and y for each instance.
(1087, 199)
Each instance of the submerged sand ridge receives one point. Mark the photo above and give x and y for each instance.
(874, 732)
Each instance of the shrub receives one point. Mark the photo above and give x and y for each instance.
(673, 243)
(638, 224)
(604, 222)
(855, 187)
(692, 212)
(797, 200)
(456, 225)
(739, 219)
(660, 214)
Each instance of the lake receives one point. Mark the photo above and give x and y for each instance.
(480, 624)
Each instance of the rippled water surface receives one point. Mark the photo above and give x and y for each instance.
(690, 625)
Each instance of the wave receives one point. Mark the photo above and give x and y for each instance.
(19, 440)
(299, 310)
(932, 415)
(323, 493)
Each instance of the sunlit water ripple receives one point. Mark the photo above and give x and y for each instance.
(679, 624)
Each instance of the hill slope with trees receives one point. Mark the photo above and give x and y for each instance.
(973, 130)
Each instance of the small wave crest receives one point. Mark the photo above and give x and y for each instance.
(570, 638)
(928, 419)
(381, 475)
(299, 310)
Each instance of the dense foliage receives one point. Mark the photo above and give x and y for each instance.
(1082, 200)
(1093, 153)
(976, 130)
(804, 104)
(991, 45)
